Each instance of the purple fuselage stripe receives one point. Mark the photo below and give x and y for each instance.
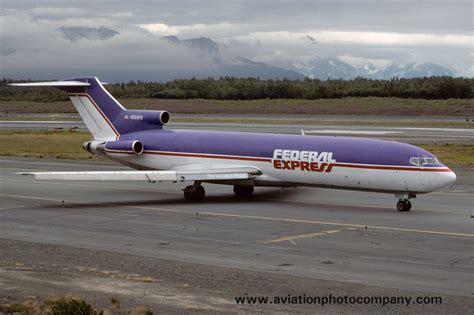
(344, 149)
(260, 145)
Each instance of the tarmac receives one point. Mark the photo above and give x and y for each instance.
(350, 237)
(304, 240)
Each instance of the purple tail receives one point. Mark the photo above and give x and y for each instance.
(103, 115)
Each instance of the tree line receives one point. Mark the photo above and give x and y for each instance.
(229, 88)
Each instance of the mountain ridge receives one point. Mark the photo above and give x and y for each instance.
(222, 64)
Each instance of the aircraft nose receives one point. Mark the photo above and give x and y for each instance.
(447, 178)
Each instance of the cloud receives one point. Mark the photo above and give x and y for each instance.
(359, 38)
(40, 51)
(281, 33)
(160, 29)
(217, 31)
(55, 12)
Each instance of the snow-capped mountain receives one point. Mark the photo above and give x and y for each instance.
(233, 67)
(331, 68)
(334, 68)
(413, 70)
(221, 64)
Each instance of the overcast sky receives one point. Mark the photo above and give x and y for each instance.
(283, 33)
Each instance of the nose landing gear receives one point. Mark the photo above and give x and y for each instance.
(404, 203)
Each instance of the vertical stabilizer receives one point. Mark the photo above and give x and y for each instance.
(99, 110)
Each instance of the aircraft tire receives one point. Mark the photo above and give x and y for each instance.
(403, 205)
(194, 193)
(199, 193)
(243, 191)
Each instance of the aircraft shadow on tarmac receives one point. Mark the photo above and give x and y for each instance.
(269, 198)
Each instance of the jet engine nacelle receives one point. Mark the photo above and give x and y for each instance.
(124, 147)
(94, 147)
(147, 117)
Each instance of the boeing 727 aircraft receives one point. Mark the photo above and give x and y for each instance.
(136, 138)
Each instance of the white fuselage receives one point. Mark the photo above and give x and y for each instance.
(344, 176)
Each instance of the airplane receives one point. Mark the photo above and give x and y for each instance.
(138, 139)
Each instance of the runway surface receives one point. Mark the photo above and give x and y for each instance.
(352, 237)
(407, 134)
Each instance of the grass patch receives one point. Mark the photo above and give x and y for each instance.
(69, 306)
(412, 122)
(452, 154)
(66, 305)
(341, 106)
(38, 118)
(59, 145)
(67, 145)
(349, 122)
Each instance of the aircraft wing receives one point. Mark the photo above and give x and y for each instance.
(231, 173)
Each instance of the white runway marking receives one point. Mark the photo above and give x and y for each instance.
(254, 217)
(438, 129)
(358, 132)
(462, 211)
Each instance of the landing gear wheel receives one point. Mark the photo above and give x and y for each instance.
(403, 205)
(408, 206)
(243, 191)
(194, 193)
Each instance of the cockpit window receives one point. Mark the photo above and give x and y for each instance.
(420, 161)
(414, 161)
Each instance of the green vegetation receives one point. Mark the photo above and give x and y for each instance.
(251, 89)
(7, 107)
(60, 145)
(330, 122)
(339, 106)
(72, 306)
(280, 121)
(452, 154)
(67, 305)
(67, 145)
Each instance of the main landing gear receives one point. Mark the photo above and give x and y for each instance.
(403, 203)
(243, 191)
(194, 192)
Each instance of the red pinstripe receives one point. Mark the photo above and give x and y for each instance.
(268, 160)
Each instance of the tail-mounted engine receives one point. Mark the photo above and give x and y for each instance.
(94, 147)
(118, 147)
(140, 120)
(124, 147)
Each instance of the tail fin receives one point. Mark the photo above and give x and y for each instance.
(99, 110)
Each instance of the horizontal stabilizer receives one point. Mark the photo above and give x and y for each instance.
(151, 176)
(53, 83)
